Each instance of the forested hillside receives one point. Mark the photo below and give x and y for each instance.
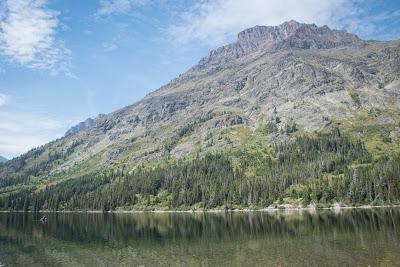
(322, 169)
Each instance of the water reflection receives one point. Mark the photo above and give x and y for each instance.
(207, 239)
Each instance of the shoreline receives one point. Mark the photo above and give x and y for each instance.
(284, 209)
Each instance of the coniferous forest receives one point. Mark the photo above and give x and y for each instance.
(319, 169)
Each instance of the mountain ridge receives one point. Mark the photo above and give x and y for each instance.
(291, 34)
(82, 125)
(175, 101)
(280, 88)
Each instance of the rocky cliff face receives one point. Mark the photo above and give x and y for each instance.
(290, 35)
(82, 125)
(293, 72)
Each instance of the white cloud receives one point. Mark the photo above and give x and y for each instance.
(108, 7)
(28, 36)
(214, 21)
(3, 99)
(20, 132)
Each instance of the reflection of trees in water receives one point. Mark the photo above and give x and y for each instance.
(351, 238)
(162, 227)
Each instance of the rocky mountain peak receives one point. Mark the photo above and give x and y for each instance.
(254, 41)
(82, 125)
(289, 27)
(267, 35)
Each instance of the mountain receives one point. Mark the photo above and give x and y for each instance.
(2, 159)
(82, 125)
(273, 88)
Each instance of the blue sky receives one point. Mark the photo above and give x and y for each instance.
(62, 61)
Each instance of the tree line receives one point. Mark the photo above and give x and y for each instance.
(322, 168)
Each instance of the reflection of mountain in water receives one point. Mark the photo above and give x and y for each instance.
(152, 238)
(95, 227)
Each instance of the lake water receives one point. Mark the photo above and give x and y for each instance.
(348, 238)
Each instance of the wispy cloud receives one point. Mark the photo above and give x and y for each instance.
(29, 36)
(20, 131)
(3, 99)
(215, 20)
(108, 7)
(383, 24)
(110, 46)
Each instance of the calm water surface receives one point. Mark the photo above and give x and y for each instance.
(324, 238)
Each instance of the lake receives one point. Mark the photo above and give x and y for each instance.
(353, 237)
